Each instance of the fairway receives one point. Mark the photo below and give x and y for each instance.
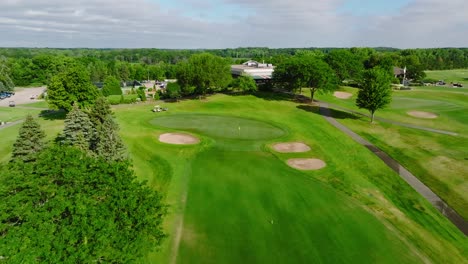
(250, 206)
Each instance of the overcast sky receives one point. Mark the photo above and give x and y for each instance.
(233, 23)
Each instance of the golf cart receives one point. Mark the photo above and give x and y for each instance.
(158, 108)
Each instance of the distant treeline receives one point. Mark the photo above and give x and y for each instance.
(26, 66)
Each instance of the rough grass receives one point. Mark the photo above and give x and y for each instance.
(438, 160)
(227, 191)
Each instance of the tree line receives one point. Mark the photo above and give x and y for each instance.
(76, 199)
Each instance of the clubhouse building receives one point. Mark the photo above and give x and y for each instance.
(260, 72)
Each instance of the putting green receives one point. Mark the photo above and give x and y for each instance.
(221, 127)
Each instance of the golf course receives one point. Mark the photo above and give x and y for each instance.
(233, 197)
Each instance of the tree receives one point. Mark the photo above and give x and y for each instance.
(205, 72)
(106, 142)
(5, 81)
(69, 207)
(173, 90)
(376, 92)
(111, 86)
(29, 142)
(305, 70)
(78, 130)
(345, 64)
(245, 83)
(71, 86)
(109, 144)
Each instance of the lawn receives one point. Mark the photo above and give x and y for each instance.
(456, 76)
(438, 160)
(232, 199)
(10, 114)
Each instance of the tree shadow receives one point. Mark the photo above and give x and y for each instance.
(334, 113)
(53, 114)
(339, 114)
(282, 96)
(309, 108)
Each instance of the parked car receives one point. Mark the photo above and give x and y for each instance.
(11, 104)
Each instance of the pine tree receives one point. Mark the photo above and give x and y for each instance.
(78, 129)
(99, 111)
(30, 141)
(109, 145)
(106, 142)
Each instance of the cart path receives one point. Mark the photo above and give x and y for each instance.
(9, 124)
(433, 130)
(414, 182)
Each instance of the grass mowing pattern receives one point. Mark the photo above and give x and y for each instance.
(221, 127)
(253, 208)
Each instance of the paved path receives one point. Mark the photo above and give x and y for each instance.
(396, 122)
(9, 124)
(422, 189)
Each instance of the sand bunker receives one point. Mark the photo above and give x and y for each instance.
(291, 147)
(178, 138)
(306, 164)
(421, 114)
(342, 95)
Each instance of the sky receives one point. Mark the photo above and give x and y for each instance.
(180, 24)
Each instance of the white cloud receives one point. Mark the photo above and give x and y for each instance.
(273, 23)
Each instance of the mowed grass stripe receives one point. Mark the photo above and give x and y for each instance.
(252, 208)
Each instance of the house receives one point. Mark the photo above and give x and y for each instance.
(399, 72)
(260, 72)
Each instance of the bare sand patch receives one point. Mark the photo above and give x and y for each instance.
(342, 95)
(306, 164)
(178, 138)
(291, 147)
(422, 114)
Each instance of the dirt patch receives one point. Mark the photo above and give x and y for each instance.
(342, 95)
(306, 164)
(178, 139)
(291, 147)
(421, 114)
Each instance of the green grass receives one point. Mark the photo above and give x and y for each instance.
(10, 114)
(438, 160)
(227, 189)
(450, 106)
(250, 208)
(456, 76)
(40, 104)
(116, 99)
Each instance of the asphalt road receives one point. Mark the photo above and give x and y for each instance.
(23, 96)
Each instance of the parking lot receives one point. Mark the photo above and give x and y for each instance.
(23, 96)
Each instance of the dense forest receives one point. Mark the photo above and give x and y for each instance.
(31, 66)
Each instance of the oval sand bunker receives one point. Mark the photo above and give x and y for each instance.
(291, 147)
(178, 139)
(342, 95)
(306, 164)
(421, 114)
